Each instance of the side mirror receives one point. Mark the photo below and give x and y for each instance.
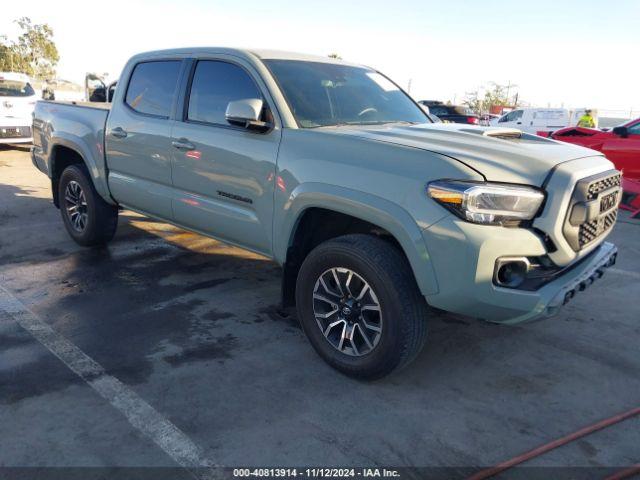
(621, 132)
(245, 113)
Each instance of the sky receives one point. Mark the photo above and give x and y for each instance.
(558, 53)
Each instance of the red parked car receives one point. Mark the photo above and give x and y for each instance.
(622, 146)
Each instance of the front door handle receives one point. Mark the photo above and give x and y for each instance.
(183, 144)
(118, 132)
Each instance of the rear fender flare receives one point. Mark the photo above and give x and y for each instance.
(95, 166)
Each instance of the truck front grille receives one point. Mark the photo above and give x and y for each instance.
(593, 209)
(600, 185)
(590, 231)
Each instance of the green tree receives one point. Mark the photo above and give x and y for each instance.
(473, 101)
(334, 55)
(10, 61)
(34, 53)
(495, 95)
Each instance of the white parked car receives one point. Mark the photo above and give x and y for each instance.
(533, 120)
(17, 101)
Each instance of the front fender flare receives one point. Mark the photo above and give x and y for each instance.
(371, 208)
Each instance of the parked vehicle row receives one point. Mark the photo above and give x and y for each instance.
(530, 120)
(451, 113)
(534, 120)
(374, 212)
(18, 97)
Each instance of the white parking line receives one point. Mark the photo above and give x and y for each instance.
(626, 273)
(139, 413)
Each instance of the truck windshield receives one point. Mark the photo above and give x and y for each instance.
(15, 88)
(326, 94)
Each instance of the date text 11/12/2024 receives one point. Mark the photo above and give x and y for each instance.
(316, 472)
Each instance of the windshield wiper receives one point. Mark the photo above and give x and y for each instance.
(402, 122)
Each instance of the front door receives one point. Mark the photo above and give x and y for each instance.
(511, 119)
(223, 175)
(138, 139)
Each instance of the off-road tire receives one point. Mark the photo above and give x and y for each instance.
(404, 310)
(101, 217)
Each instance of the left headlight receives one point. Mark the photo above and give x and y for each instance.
(487, 203)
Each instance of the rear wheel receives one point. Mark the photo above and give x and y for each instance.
(360, 307)
(89, 220)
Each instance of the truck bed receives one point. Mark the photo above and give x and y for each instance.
(98, 105)
(80, 125)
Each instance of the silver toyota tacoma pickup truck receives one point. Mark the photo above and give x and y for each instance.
(377, 216)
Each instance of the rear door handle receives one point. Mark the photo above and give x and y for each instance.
(183, 144)
(118, 132)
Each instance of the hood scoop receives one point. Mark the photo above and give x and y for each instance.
(504, 133)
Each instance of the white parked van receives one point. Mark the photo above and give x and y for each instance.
(533, 120)
(17, 101)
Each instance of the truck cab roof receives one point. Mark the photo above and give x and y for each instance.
(248, 53)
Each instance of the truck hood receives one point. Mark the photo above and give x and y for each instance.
(499, 154)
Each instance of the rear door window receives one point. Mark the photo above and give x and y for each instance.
(152, 87)
(215, 84)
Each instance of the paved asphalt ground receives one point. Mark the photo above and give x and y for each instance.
(207, 369)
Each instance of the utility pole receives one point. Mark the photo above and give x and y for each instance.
(508, 88)
(409, 86)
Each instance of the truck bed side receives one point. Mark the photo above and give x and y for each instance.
(61, 127)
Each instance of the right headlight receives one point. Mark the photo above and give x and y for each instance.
(487, 203)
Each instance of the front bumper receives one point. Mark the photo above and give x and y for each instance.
(464, 257)
(603, 257)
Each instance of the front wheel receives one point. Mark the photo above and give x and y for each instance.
(89, 220)
(360, 307)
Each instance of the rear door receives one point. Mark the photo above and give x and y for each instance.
(625, 152)
(138, 138)
(223, 175)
